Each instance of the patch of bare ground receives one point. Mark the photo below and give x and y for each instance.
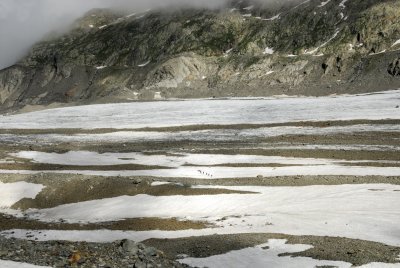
(8, 222)
(357, 252)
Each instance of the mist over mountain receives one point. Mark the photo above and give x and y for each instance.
(130, 50)
(23, 23)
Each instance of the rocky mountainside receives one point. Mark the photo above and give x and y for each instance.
(314, 47)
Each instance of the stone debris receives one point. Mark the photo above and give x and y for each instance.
(62, 254)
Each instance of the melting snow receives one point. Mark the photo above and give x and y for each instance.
(324, 44)
(396, 43)
(203, 165)
(144, 64)
(305, 2)
(222, 172)
(160, 183)
(268, 255)
(342, 4)
(84, 158)
(248, 8)
(274, 17)
(324, 3)
(268, 51)
(265, 255)
(228, 51)
(130, 15)
(193, 112)
(352, 211)
(12, 264)
(10, 193)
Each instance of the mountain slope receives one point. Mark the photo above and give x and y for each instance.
(246, 49)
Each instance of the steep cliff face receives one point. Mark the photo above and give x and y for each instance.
(246, 49)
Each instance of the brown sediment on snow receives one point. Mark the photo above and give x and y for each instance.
(8, 222)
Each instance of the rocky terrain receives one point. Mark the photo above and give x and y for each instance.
(62, 254)
(244, 49)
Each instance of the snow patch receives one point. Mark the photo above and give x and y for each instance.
(204, 165)
(265, 255)
(324, 44)
(144, 64)
(10, 193)
(13, 264)
(248, 8)
(305, 2)
(371, 106)
(160, 183)
(222, 172)
(130, 15)
(352, 211)
(342, 4)
(324, 3)
(274, 17)
(268, 51)
(228, 51)
(396, 43)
